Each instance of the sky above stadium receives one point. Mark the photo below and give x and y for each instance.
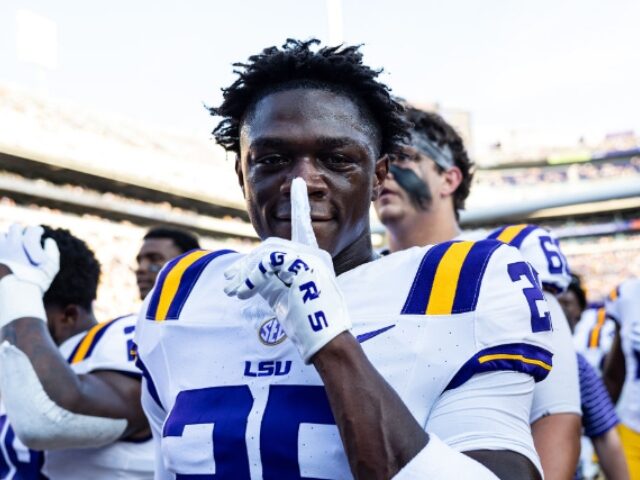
(556, 69)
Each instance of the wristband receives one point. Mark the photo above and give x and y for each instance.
(19, 299)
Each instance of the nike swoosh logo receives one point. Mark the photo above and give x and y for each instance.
(369, 335)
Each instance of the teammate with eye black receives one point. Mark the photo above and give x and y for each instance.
(429, 180)
(311, 358)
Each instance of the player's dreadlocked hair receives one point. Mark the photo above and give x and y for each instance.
(436, 130)
(77, 281)
(298, 64)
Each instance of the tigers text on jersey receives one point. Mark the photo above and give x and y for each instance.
(560, 392)
(106, 346)
(229, 397)
(593, 335)
(623, 306)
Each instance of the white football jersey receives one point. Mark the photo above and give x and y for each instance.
(560, 392)
(541, 248)
(594, 334)
(623, 305)
(228, 396)
(106, 346)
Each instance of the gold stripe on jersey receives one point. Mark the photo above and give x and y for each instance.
(89, 340)
(172, 282)
(594, 337)
(509, 233)
(509, 356)
(613, 296)
(445, 283)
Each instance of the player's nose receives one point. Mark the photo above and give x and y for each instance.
(309, 171)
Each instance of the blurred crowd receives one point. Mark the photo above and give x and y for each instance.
(603, 262)
(575, 172)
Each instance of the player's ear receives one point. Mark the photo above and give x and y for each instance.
(452, 180)
(71, 315)
(381, 171)
(239, 174)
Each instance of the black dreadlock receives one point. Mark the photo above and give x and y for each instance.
(297, 65)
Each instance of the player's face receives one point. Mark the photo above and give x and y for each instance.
(394, 203)
(322, 137)
(154, 253)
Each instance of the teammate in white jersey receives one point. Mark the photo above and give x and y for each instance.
(593, 330)
(159, 245)
(428, 184)
(71, 386)
(228, 385)
(622, 368)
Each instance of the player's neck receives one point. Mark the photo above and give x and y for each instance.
(359, 252)
(85, 321)
(424, 228)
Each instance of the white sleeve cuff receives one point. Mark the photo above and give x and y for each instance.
(438, 461)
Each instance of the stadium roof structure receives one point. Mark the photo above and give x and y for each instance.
(68, 145)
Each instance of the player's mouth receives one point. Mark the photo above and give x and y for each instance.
(388, 193)
(283, 214)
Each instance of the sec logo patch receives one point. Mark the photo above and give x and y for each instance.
(271, 333)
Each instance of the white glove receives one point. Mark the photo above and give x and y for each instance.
(22, 252)
(297, 281)
(302, 290)
(33, 269)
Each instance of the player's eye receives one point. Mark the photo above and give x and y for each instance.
(273, 159)
(338, 161)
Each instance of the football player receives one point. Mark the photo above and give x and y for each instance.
(593, 330)
(429, 181)
(160, 244)
(622, 368)
(303, 362)
(69, 383)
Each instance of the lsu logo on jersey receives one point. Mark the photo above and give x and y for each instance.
(449, 278)
(271, 332)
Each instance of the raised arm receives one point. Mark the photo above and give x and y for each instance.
(26, 271)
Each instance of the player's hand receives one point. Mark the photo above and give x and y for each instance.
(22, 252)
(297, 279)
(298, 282)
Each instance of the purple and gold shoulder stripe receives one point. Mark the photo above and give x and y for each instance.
(518, 357)
(86, 346)
(512, 235)
(175, 282)
(449, 277)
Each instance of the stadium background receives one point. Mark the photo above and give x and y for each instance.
(108, 177)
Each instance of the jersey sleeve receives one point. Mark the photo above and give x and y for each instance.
(560, 391)
(599, 413)
(541, 248)
(156, 415)
(512, 323)
(107, 346)
(489, 412)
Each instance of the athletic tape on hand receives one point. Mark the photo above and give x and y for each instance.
(301, 228)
